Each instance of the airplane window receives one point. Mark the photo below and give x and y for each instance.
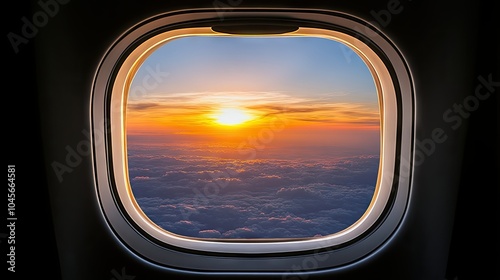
(253, 137)
(274, 134)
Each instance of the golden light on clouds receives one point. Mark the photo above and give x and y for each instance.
(208, 113)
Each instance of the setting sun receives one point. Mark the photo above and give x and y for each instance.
(231, 116)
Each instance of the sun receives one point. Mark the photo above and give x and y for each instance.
(232, 116)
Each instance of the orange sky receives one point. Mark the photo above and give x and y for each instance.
(293, 124)
(290, 92)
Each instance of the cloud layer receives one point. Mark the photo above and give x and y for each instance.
(211, 197)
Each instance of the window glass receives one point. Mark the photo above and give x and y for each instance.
(253, 137)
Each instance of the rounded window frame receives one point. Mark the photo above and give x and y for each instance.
(111, 85)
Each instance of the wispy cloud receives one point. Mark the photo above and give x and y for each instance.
(198, 108)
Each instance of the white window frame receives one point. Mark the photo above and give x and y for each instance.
(138, 233)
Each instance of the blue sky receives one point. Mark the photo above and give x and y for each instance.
(300, 66)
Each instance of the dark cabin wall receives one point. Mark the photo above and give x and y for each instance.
(448, 46)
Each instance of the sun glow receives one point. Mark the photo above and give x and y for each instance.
(232, 116)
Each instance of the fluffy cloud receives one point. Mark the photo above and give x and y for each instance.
(226, 198)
